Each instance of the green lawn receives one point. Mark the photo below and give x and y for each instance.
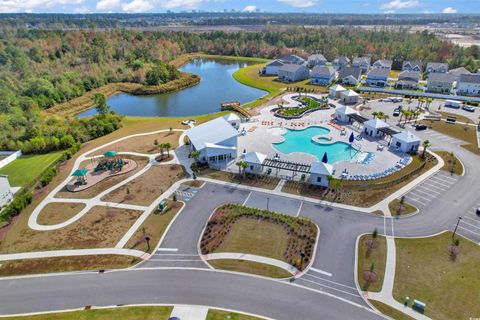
(389, 311)
(375, 254)
(28, 168)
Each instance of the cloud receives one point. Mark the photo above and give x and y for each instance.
(250, 8)
(137, 6)
(400, 4)
(299, 3)
(32, 5)
(449, 10)
(108, 5)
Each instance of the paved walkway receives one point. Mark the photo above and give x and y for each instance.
(73, 252)
(184, 312)
(254, 258)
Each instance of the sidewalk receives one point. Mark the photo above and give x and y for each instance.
(72, 252)
(184, 312)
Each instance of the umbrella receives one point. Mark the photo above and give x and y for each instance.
(79, 173)
(110, 154)
(325, 158)
(351, 138)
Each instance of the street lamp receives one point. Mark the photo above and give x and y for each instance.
(456, 226)
(268, 199)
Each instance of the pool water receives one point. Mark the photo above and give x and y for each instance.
(301, 141)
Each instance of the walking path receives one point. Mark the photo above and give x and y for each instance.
(184, 312)
(254, 258)
(73, 252)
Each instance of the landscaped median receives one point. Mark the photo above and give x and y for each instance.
(257, 240)
(372, 255)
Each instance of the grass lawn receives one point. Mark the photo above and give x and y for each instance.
(459, 131)
(125, 313)
(264, 182)
(389, 311)
(452, 163)
(57, 212)
(250, 267)
(371, 253)
(226, 315)
(394, 74)
(144, 189)
(144, 144)
(64, 264)
(154, 227)
(425, 272)
(26, 169)
(398, 209)
(101, 227)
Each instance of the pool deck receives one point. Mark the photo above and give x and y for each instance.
(264, 129)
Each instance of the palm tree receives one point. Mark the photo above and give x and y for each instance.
(375, 114)
(195, 155)
(416, 113)
(162, 148)
(425, 145)
(167, 146)
(242, 165)
(385, 117)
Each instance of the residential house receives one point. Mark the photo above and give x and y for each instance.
(271, 68)
(372, 127)
(407, 80)
(322, 75)
(340, 62)
(458, 72)
(349, 97)
(343, 114)
(406, 142)
(440, 82)
(362, 62)
(377, 77)
(335, 91)
(6, 194)
(469, 85)
(412, 65)
(349, 75)
(316, 60)
(254, 162)
(293, 58)
(383, 64)
(436, 67)
(319, 173)
(216, 140)
(293, 72)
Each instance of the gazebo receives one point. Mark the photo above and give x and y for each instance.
(80, 174)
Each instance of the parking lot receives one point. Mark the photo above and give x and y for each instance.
(469, 225)
(431, 189)
(273, 203)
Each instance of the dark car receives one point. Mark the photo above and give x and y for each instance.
(478, 211)
(421, 127)
(396, 113)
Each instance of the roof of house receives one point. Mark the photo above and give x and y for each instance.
(341, 60)
(441, 77)
(409, 75)
(459, 71)
(255, 157)
(317, 56)
(337, 88)
(349, 93)
(349, 71)
(321, 168)
(213, 132)
(292, 58)
(231, 117)
(275, 63)
(376, 123)
(413, 63)
(470, 78)
(378, 72)
(291, 67)
(322, 70)
(359, 60)
(384, 63)
(407, 137)
(436, 65)
(345, 110)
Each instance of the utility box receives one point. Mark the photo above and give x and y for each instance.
(418, 306)
(162, 206)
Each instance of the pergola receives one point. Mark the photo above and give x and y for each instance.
(388, 131)
(358, 118)
(287, 165)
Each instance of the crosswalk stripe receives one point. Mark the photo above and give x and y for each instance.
(336, 283)
(322, 285)
(321, 271)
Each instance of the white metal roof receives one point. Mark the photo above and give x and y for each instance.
(407, 137)
(376, 123)
(345, 110)
(321, 168)
(214, 131)
(337, 88)
(255, 157)
(231, 117)
(349, 93)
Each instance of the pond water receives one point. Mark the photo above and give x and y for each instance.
(217, 85)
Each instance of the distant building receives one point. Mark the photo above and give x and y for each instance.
(319, 173)
(316, 60)
(372, 126)
(293, 72)
(216, 140)
(349, 75)
(412, 65)
(322, 75)
(440, 83)
(377, 77)
(383, 64)
(272, 67)
(343, 114)
(340, 62)
(407, 80)
(254, 161)
(406, 142)
(362, 62)
(349, 97)
(334, 91)
(6, 194)
(456, 73)
(469, 85)
(436, 67)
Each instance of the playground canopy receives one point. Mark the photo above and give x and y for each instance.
(110, 154)
(80, 173)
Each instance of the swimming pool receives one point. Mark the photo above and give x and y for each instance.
(301, 141)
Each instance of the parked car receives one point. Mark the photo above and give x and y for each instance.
(478, 211)
(453, 104)
(188, 122)
(421, 127)
(396, 113)
(468, 108)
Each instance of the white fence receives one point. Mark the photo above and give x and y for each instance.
(10, 156)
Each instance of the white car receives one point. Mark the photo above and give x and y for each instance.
(468, 108)
(188, 122)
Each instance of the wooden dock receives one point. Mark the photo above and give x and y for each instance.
(235, 106)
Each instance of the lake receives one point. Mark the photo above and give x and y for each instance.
(217, 85)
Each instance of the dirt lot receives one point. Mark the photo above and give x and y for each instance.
(149, 186)
(144, 144)
(105, 184)
(57, 212)
(101, 227)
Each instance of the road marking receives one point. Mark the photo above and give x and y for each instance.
(446, 176)
(322, 285)
(336, 283)
(433, 186)
(466, 217)
(471, 225)
(174, 254)
(429, 189)
(168, 249)
(299, 208)
(176, 260)
(468, 230)
(410, 198)
(246, 199)
(321, 271)
(393, 232)
(424, 192)
(444, 186)
(416, 195)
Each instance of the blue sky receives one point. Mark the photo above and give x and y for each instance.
(321, 6)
